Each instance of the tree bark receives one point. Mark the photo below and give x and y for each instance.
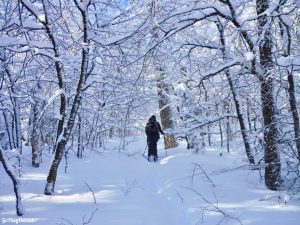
(241, 120)
(272, 157)
(286, 36)
(293, 105)
(16, 128)
(236, 101)
(165, 110)
(207, 114)
(8, 169)
(249, 115)
(228, 129)
(8, 128)
(79, 139)
(35, 137)
(67, 130)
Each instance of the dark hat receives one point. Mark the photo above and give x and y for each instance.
(152, 118)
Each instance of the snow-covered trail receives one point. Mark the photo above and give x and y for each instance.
(144, 194)
(118, 189)
(146, 198)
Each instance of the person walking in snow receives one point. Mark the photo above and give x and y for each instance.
(153, 129)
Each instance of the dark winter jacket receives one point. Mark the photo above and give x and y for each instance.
(153, 129)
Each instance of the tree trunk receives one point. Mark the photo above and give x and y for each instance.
(64, 138)
(286, 36)
(236, 102)
(293, 105)
(189, 141)
(67, 130)
(249, 115)
(162, 86)
(207, 114)
(241, 120)
(8, 128)
(16, 128)
(165, 110)
(221, 133)
(228, 128)
(79, 139)
(13, 177)
(35, 137)
(272, 157)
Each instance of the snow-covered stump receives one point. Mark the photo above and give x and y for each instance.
(11, 173)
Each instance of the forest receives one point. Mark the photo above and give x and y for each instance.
(76, 75)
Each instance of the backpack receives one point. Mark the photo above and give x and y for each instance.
(152, 128)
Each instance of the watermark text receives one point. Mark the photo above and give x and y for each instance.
(18, 220)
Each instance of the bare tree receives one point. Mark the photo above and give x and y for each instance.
(164, 88)
(272, 158)
(14, 126)
(65, 135)
(14, 178)
(287, 44)
(236, 100)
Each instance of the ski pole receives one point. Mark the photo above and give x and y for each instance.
(145, 149)
(165, 146)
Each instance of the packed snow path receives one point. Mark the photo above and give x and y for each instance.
(123, 188)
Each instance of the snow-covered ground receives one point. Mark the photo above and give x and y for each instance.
(123, 188)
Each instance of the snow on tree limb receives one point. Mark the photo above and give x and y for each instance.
(36, 11)
(291, 60)
(218, 70)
